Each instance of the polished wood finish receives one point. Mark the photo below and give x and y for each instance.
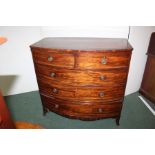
(73, 77)
(85, 44)
(83, 110)
(151, 48)
(57, 59)
(82, 78)
(94, 60)
(148, 83)
(81, 93)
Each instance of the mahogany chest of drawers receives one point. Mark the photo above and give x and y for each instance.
(82, 78)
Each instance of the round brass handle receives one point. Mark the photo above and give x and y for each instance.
(50, 58)
(101, 94)
(102, 77)
(56, 106)
(52, 75)
(55, 90)
(100, 110)
(104, 60)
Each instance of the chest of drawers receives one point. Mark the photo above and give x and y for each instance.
(82, 78)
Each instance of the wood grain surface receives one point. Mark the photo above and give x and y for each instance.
(83, 111)
(82, 78)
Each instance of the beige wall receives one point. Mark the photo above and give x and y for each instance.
(16, 66)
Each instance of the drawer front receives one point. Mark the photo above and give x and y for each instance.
(53, 58)
(81, 108)
(103, 60)
(55, 90)
(106, 93)
(81, 78)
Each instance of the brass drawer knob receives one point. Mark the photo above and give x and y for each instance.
(52, 75)
(55, 90)
(101, 94)
(50, 58)
(102, 77)
(56, 106)
(100, 110)
(104, 60)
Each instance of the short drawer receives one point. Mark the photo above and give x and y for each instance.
(57, 91)
(81, 78)
(53, 58)
(106, 93)
(103, 60)
(81, 108)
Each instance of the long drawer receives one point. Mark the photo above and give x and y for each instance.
(89, 109)
(81, 93)
(81, 78)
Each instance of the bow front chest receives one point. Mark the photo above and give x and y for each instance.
(82, 78)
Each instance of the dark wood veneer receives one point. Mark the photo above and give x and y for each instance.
(82, 78)
(82, 111)
(59, 60)
(82, 93)
(148, 83)
(73, 77)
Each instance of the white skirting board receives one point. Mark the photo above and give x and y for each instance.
(147, 105)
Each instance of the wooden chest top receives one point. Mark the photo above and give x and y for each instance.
(84, 44)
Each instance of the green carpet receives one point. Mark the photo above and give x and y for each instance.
(28, 107)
